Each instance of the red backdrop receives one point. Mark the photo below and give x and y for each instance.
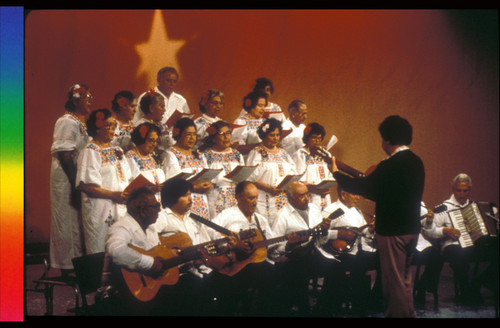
(439, 69)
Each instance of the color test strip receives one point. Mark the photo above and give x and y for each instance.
(11, 163)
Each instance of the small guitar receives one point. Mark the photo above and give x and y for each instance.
(259, 245)
(341, 246)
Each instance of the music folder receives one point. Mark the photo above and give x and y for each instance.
(175, 117)
(289, 179)
(323, 186)
(204, 175)
(139, 181)
(241, 173)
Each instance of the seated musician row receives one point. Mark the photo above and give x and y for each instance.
(236, 264)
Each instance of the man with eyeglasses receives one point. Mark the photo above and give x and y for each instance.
(134, 228)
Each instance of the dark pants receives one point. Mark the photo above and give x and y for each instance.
(396, 256)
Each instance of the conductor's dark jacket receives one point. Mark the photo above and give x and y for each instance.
(396, 186)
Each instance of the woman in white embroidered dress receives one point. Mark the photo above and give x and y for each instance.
(211, 104)
(245, 126)
(315, 167)
(140, 159)
(272, 110)
(102, 176)
(124, 106)
(70, 136)
(220, 155)
(274, 164)
(183, 157)
(152, 106)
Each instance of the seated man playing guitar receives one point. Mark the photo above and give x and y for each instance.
(348, 247)
(134, 229)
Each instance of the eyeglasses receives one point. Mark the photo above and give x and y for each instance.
(216, 103)
(227, 133)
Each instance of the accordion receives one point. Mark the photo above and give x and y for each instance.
(471, 223)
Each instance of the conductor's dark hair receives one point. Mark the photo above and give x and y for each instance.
(396, 130)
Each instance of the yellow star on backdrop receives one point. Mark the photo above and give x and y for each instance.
(158, 51)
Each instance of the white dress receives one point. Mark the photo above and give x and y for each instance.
(146, 166)
(272, 169)
(293, 142)
(222, 195)
(247, 133)
(175, 163)
(108, 169)
(202, 123)
(122, 136)
(65, 226)
(316, 171)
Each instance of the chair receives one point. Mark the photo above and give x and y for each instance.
(88, 271)
(38, 254)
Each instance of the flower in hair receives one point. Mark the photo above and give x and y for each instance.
(204, 98)
(248, 103)
(265, 127)
(253, 84)
(77, 91)
(99, 120)
(143, 131)
(152, 92)
(211, 130)
(307, 130)
(175, 132)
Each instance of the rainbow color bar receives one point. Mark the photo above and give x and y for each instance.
(11, 163)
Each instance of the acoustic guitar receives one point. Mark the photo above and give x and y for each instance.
(341, 246)
(174, 251)
(259, 245)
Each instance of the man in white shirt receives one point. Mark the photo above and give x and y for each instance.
(295, 261)
(357, 257)
(192, 294)
(133, 229)
(297, 116)
(447, 236)
(167, 78)
(247, 292)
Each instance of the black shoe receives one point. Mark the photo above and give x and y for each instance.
(419, 300)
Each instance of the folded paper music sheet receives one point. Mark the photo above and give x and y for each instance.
(241, 173)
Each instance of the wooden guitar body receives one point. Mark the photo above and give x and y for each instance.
(145, 287)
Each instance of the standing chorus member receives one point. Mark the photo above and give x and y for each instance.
(167, 79)
(103, 174)
(246, 125)
(70, 137)
(183, 157)
(211, 104)
(274, 164)
(297, 111)
(315, 167)
(396, 186)
(140, 158)
(220, 155)
(124, 106)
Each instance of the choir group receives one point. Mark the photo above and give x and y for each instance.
(147, 171)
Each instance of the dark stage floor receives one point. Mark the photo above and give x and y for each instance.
(64, 300)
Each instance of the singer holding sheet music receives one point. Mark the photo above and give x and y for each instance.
(274, 164)
(220, 155)
(396, 186)
(183, 157)
(140, 159)
(315, 167)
